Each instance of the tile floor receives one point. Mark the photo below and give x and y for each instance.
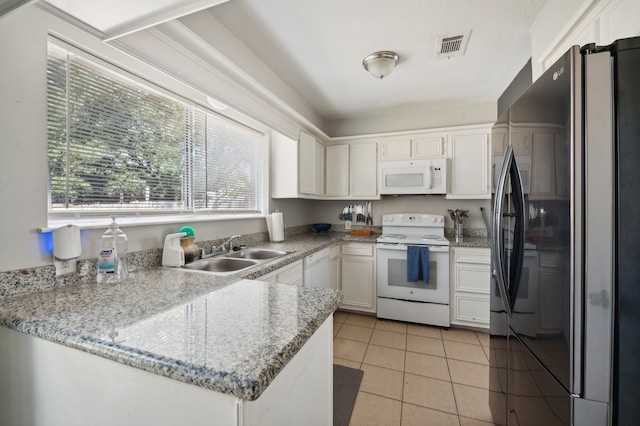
(414, 374)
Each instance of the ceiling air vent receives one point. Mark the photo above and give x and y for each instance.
(453, 45)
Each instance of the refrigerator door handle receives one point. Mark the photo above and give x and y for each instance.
(497, 241)
(518, 234)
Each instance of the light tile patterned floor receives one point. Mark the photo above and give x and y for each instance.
(414, 374)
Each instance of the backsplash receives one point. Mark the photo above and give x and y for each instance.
(24, 281)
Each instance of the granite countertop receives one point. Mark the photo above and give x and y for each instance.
(472, 242)
(224, 333)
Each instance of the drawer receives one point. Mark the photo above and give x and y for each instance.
(357, 249)
(334, 251)
(479, 255)
(474, 278)
(472, 308)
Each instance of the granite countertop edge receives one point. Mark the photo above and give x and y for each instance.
(231, 383)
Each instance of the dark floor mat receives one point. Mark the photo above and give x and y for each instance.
(346, 382)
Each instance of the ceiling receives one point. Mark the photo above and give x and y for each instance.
(317, 48)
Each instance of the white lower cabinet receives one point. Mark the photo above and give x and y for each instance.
(470, 283)
(289, 274)
(334, 267)
(45, 390)
(358, 277)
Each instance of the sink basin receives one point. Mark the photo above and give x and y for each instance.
(220, 264)
(259, 254)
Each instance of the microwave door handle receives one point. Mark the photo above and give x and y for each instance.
(497, 241)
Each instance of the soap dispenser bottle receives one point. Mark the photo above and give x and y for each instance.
(112, 257)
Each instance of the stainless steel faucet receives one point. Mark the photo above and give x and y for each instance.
(220, 249)
(229, 242)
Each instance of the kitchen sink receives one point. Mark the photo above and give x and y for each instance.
(220, 264)
(256, 253)
(229, 263)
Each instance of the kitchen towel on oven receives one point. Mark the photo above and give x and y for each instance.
(418, 264)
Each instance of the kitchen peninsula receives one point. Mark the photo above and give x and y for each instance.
(168, 347)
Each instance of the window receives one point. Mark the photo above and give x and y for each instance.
(116, 143)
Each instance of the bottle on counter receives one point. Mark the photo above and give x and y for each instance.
(189, 248)
(112, 256)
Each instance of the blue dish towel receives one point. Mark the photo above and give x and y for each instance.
(418, 264)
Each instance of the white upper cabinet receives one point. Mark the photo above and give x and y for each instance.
(363, 171)
(352, 171)
(310, 165)
(413, 147)
(337, 171)
(297, 167)
(469, 165)
(284, 166)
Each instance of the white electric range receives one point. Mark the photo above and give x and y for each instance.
(423, 302)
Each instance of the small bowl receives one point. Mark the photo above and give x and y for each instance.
(321, 227)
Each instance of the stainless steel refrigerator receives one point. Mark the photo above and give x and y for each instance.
(565, 296)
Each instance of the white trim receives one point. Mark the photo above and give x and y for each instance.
(127, 221)
(469, 127)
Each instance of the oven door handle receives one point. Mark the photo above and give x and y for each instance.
(403, 247)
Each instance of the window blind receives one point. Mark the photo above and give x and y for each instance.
(116, 144)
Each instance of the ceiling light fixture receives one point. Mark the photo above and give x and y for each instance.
(380, 64)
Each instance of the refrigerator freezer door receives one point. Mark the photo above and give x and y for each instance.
(535, 397)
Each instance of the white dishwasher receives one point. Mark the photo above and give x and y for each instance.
(316, 269)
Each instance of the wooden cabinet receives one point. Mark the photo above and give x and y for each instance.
(469, 165)
(352, 171)
(311, 165)
(470, 283)
(358, 277)
(421, 146)
(289, 274)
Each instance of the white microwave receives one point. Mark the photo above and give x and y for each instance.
(413, 177)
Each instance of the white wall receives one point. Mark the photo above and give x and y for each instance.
(328, 211)
(565, 23)
(414, 119)
(23, 148)
(555, 19)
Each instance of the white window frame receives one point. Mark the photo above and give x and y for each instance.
(176, 89)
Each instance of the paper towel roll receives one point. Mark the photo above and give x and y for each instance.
(66, 242)
(277, 227)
